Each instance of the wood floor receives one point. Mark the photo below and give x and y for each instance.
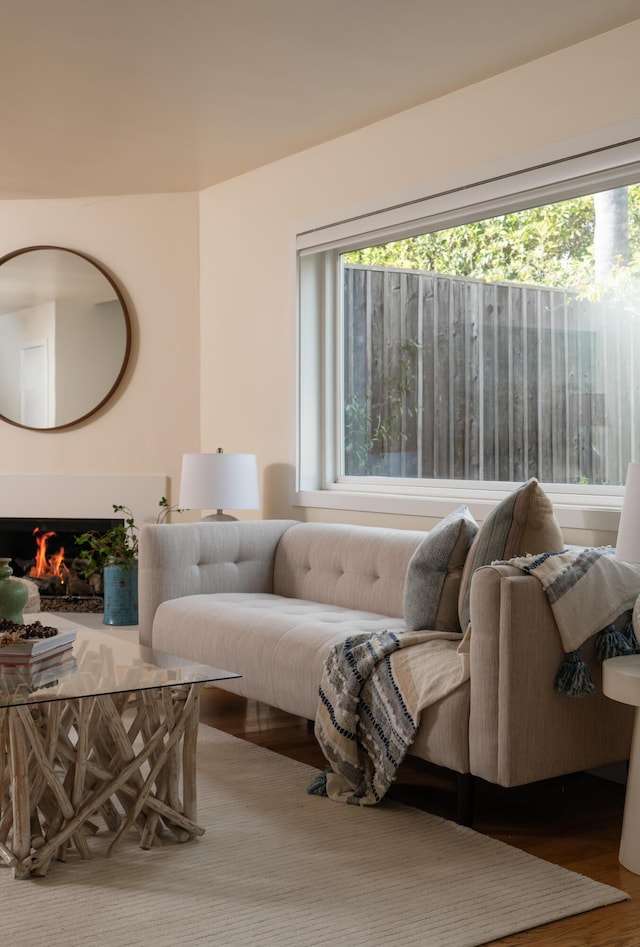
(574, 822)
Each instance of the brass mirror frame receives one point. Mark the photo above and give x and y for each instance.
(127, 351)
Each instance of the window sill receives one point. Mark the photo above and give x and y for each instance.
(594, 512)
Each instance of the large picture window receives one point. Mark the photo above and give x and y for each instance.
(487, 337)
(498, 350)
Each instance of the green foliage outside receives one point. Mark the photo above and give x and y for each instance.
(551, 245)
(372, 428)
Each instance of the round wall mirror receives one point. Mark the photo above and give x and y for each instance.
(65, 337)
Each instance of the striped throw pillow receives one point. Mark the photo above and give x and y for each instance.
(523, 523)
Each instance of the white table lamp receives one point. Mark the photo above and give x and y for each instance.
(219, 481)
(628, 542)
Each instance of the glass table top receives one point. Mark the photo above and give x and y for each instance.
(88, 662)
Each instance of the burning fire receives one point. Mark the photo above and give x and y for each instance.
(51, 566)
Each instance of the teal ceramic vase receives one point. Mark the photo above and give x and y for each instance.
(120, 595)
(13, 594)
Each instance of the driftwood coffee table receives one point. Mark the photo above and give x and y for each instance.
(105, 740)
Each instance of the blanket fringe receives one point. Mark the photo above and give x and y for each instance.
(630, 634)
(611, 643)
(318, 786)
(574, 677)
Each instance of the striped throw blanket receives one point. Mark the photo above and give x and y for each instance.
(372, 692)
(589, 591)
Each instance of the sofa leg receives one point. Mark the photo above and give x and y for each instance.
(464, 799)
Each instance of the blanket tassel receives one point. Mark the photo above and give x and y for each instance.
(630, 634)
(611, 643)
(318, 786)
(574, 677)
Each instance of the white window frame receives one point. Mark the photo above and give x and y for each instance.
(319, 416)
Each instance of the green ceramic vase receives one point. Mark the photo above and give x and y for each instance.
(13, 594)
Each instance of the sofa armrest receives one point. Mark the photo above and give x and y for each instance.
(521, 730)
(194, 558)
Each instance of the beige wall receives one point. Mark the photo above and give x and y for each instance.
(150, 244)
(230, 380)
(248, 224)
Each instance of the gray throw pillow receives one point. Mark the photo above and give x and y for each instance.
(433, 578)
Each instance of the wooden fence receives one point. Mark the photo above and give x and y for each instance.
(452, 378)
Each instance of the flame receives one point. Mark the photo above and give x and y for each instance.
(54, 565)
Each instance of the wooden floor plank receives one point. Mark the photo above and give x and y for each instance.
(574, 822)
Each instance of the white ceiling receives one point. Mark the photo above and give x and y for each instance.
(107, 97)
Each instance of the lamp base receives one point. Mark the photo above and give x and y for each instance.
(219, 517)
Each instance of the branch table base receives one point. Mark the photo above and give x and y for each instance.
(126, 760)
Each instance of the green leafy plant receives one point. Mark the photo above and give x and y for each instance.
(373, 428)
(119, 545)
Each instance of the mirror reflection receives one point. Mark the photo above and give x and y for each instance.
(64, 337)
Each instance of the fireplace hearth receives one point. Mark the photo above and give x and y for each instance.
(45, 552)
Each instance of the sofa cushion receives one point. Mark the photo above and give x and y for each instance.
(278, 645)
(435, 571)
(523, 523)
(359, 567)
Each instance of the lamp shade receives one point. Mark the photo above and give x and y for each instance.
(628, 542)
(219, 481)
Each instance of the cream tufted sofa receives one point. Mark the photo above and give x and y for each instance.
(269, 598)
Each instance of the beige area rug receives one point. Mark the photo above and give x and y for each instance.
(280, 868)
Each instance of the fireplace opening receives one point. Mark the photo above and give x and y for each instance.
(45, 552)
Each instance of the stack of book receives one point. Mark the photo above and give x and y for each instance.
(30, 651)
(28, 664)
